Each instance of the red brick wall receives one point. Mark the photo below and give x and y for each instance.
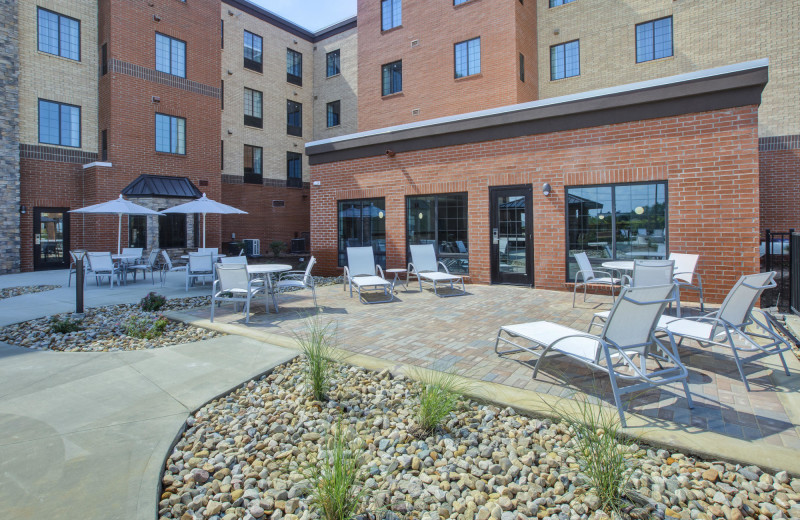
(526, 44)
(710, 161)
(780, 189)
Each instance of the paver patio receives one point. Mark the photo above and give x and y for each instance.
(423, 330)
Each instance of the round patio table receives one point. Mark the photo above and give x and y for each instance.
(619, 265)
(124, 260)
(267, 270)
(186, 257)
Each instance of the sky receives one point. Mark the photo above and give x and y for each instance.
(311, 14)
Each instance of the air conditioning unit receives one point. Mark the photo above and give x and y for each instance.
(252, 247)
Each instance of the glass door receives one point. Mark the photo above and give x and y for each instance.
(50, 238)
(511, 228)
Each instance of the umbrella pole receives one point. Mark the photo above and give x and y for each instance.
(204, 230)
(119, 233)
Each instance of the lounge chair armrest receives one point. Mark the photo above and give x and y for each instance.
(606, 273)
(411, 269)
(379, 270)
(446, 270)
(346, 274)
(627, 280)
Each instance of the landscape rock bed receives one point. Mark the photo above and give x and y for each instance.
(103, 329)
(246, 455)
(10, 292)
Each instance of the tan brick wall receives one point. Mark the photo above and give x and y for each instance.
(276, 91)
(55, 78)
(342, 87)
(705, 35)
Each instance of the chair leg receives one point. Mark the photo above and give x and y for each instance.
(739, 366)
(688, 393)
(574, 290)
(314, 295)
(247, 311)
(212, 309)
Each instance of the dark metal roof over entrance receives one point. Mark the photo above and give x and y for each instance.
(162, 186)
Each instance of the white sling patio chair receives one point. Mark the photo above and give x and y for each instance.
(736, 319)
(289, 280)
(587, 276)
(150, 265)
(233, 285)
(629, 332)
(242, 260)
(360, 272)
(685, 266)
(200, 266)
(102, 265)
(426, 269)
(167, 267)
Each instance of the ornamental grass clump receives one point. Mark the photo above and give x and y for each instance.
(318, 342)
(439, 395)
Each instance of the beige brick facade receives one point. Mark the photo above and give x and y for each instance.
(342, 87)
(54, 78)
(705, 35)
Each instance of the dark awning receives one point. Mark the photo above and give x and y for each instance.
(162, 186)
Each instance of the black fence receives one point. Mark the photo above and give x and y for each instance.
(794, 273)
(779, 253)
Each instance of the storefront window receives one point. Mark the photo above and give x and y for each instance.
(440, 220)
(362, 223)
(172, 230)
(616, 222)
(137, 231)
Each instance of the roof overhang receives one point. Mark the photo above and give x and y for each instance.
(162, 186)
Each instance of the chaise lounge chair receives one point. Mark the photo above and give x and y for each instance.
(628, 332)
(426, 269)
(360, 272)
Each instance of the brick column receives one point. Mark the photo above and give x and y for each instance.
(9, 143)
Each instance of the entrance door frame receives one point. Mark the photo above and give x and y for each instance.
(498, 277)
(38, 265)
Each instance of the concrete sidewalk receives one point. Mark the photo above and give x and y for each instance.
(84, 435)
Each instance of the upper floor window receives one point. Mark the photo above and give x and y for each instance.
(459, 2)
(59, 124)
(294, 67)
(391, 14)
(654, 39)
(468, 57)
(170, 134)
(294, 170)
(556, 3)
(252, 108)
(170, 55)
(565, 60)
(332, 66)
(294, 118)
(392, 78)
(253, 170)
(252, 51)
(59, 34)
(334, 109)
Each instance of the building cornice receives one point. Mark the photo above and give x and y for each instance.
(284, 24)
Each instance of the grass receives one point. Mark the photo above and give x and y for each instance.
(439, 395)
(318, 342)
(337, 477)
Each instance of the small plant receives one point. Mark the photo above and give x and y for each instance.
(277, 247)
(145, 327)
(152, 302)
(317, 342)
(65, 326)
(337, 477)
(440, 394)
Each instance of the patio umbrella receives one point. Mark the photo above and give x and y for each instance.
(119, 207)
(205, 205)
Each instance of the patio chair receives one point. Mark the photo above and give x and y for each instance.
(200, 266)
(298, 280)
(629, 332)
(241, 260)
(167, 267)
(587, 276)
(150, 265)
(233, 285)
(685, 266)
(133, 251)
(361, 271)
(425, 267)
(102, 265)
(736, 318)
(73, 262)
(214, 251)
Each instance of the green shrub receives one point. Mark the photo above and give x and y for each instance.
(152, 302)
(337, 477)
(65, 326)
(145, 327)
(318, 344)
(439, 395)
(277, 247)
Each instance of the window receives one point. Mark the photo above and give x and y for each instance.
(521, 67)
(332, 67)
(392, 78)
(137, 231)
(222, 34)
(565, 60)
(172, 230)
(294, 170)
(459, 2)
(252, 164)
(362, 223)
(468, 58)
(59, 124)
(654, 40)
(294, 118)
(294, 67)
(440, 220)
(104, 145)
(221, 154)
(334, 113)
(59, 34)
(624, 221)
(170, 134)
(222, 94)
(252, 51)
(252, 108)
(556, 3)
(103, 59)
(391, 14)
(170, 55)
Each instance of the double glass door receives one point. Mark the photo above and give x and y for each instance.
(511, 227)
(50, 238)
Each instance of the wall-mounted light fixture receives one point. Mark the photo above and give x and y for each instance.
(380, 214)
(638, 210)
(156, 18)
(546, 189)
(156, 99)
(230, 132)
(390, 153)
(23, 209)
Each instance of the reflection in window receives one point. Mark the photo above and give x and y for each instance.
(616, 222)
(137, 231)
(362, 223)
(440, 220)
(172, 230)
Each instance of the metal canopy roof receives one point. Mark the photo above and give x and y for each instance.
(162, 186)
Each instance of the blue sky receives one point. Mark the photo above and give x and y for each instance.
(311, 14)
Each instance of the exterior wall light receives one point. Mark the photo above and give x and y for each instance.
(638, 210)
(390, 153)
(546, 189)
(23, 209)
(380, 214)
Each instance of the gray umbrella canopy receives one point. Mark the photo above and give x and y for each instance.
(119, 207)
(205, 205)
